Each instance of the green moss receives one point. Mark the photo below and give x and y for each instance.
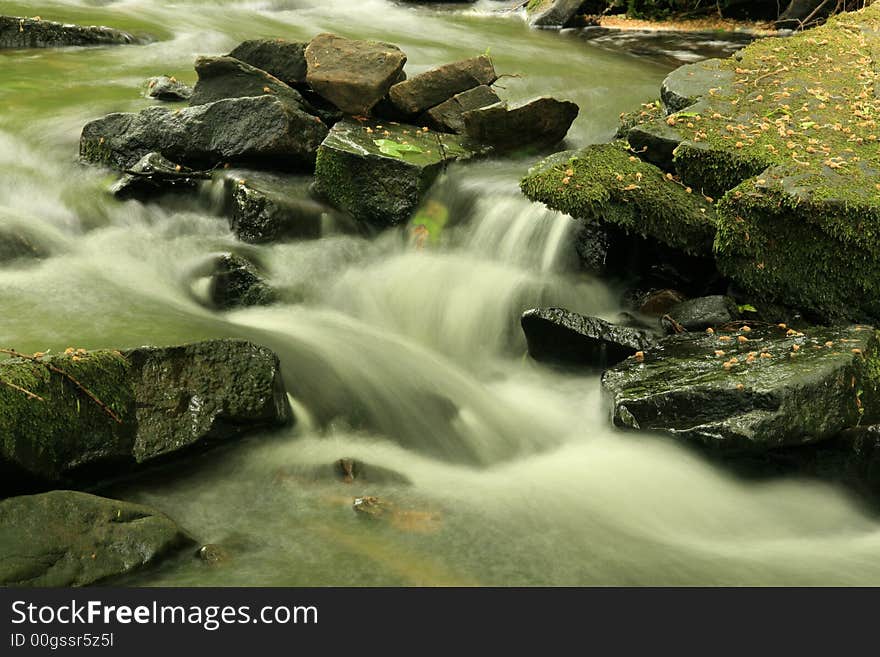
(607, 183)
(67, 428)
(648, 113)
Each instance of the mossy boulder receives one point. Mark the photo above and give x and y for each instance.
(264, 129)
(607, 183)
(689, 83)
(67, 538)
(750, 390)
(113, 410)
(379, 173)
(17, 32)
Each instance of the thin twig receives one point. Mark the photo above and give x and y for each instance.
(28, 393)
(57, 370)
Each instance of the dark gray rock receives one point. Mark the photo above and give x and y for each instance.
(719, 390)
(687, 84)
(562, 337)
(227, 77)
(270, 208)
(361, 172)
(168, 89)
(417, 94)
(67, 538)
(552, 13)
(154, 175)
(141, 404)
(704, 312)
(655, 142)
(447, 116)
(592, 241)
(237, 282)
(537, 124)
(263, 129)
(20, 33)
(353, 75)
(286, 60)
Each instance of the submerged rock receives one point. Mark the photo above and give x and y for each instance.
(267, 129)
(16, 32)
(19, 242)
(353, 75)
(438, 85)
(286, 60)
(227, 77)
(552, 13)
(115, 410)
(153, 175)
(270, 208)
(750, 390)
(168, 89)
(380, 173)
(67, 538)
(447, 116)
(539, 123)
(237, 282)
(560, 336)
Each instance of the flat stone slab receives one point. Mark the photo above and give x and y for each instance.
(539, 123)
(20, 33)
(750, 390)
(438, 85)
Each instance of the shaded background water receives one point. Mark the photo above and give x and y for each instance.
(407, 359)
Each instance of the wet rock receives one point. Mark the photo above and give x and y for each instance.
(438, 85)
(447, 116)
(16, 32)
(128, 408)
(214, 555)
(592, 242)
(750, 390)
(351, 470)
(606, 183)
(658, 302)
(371, 508)
(19, 242)
(168, 89)
(263, 129)
(270, 208)
(655, 142)
(687, 84)
(705, 312)
(380, 173)
(539, 123)
(286, 60)
(353, 75)
(236, 282)
(552, 13)
(227, 77)
(67, 538)
(153, 175)
(559, 336)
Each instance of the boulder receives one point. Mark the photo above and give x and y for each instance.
(82, 412)
(689, 83)
(269, 208)
(168, 89)
(655, 142)
(236, 282)
(263, 129)
(353, 75)
(286, 60)
(379, 173)
(227, 77)
(606, 183)
(67, 538)
(537, 124)
(20, 33)
(750, 390)
(447, 116)
(562, 337)
(417, 94)
(551, 13)
(154, 175)
(705, 312)
(20, 242)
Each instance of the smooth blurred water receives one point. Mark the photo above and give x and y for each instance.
(404, 358)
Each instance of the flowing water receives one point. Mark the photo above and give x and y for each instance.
(407, 359)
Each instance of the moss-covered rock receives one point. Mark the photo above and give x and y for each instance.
(380, 172)
(608, 183)
(16, 32)
(751, 390)
(141, 404)
(67, 538)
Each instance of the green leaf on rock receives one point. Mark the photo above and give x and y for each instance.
(394, 148)
(747, 308)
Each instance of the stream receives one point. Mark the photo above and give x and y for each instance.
(407, 359)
